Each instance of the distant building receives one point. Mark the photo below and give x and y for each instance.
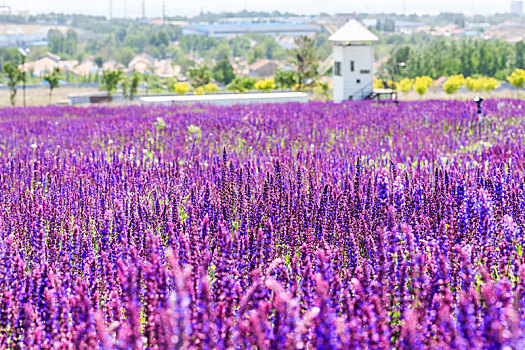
(112, 65)
(141, 64)
(264, 68)
(228, 30)
(67, 66)
(476, 25)
(353, 68)
(160, 21)
(340, 19)
(166, 69)
(5, 10)
(240, 66)
(145, 63)
(516, 7)
(369, 22)
(408, 28)
(286, 41)
(42, 66)
(86, 68)
(39, 67)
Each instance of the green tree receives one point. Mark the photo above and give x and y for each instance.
(56, 40)
(163, 39)
(285, 79)
(223, 72)
(240, 45)
(305, 59)
(136, 40)
(519, 55)
(121, 34)
(160, 38)
(200, 75)
(398, 59)
(453, 84)
(52, 79)
(389, 25)
(99, 61)
(14, 76)
(125, 55)
(255, 54)
(70, 42)
(134, 86)
(517, 78)
(242, 84)
(130, 85)
(270, 47)
(110, 80)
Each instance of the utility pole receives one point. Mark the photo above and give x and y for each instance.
(24, 53)
(163, 12)
(4, 12)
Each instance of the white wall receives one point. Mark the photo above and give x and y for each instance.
(347, 85)
(227, 99)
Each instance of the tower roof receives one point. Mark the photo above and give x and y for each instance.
(353, 31)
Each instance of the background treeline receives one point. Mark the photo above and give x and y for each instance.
(446, 57)
(122, 39)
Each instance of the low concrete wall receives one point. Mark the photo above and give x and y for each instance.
(93, 98)
(226, 99)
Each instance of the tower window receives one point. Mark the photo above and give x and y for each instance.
(352, 68)
(337, 68)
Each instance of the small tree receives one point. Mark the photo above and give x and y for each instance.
(378, 83)
(99, 61)
(405, 84)
(200, 75)
(14, 76)
(517, 78)
(481, 84)
(242, 84)
(305, 59)
(110, 80)
(223, 72)
(285, 78)
(490, 84)
(53, 79)
(130, 86)
(134, 87)
(125, 83)
(422, 84)
(199, 91)
(266, 85)
(211, 88)
(181, 88)
(453, 84)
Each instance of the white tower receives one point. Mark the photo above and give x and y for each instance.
(353, 69)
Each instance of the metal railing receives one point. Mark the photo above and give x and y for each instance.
(363, 92)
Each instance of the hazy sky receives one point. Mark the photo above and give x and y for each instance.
(191, 7)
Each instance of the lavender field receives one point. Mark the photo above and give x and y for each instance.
(299, 226)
